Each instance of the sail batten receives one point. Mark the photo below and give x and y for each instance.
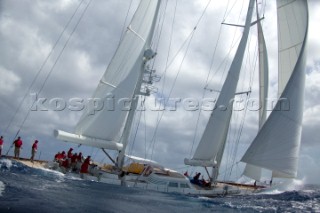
(277, 145)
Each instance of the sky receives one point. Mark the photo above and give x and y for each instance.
(30, 30)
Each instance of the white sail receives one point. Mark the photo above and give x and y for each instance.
(252, 171)
(105, 116)
(292, 24)
(215, 133)
(277, 145)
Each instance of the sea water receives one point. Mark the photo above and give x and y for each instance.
(25, 189)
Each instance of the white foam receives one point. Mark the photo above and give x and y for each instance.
(271, 191)
(285, 186)
(6, 162)
(53, 171)
(2, 187)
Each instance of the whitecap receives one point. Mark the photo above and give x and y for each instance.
(5, 163)
(2, 187)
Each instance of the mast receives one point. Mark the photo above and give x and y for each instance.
(147, 55)
(134, 104)
(214, 137)
(252, 171)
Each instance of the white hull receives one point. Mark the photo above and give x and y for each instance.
(160, 183)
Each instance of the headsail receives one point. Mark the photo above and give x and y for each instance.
(105, 116)
(214, 136)
(277, 145)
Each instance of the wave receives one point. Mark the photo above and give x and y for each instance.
(2, 188)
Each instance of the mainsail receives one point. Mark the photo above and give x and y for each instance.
(102, 123)
(214, 137)
(277, 145)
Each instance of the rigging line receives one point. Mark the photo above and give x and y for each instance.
(235, 138)
(179, 50)
(174, 81)
(227, 14)
(124, 24)
(205, 9)
(234, 146)
(248, 97)
(160, 31)
(232, 46)
(162, 17)
(192, 32)
(52, 68)
(261, 9)
(207, 79)
(145, 134)
(135, 134)
(41, 67)
(226, 170)
(236, 143)
(264, 7)
(166, 64)
(188, 38)
(228, 155)
(226, 58)
(169, 48)
(236, 135)
(224, 61)
(94, 156)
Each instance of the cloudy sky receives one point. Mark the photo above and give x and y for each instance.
(83, 47)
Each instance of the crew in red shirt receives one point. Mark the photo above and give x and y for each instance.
(17, 146)
(1, 144)
(85, 165)
(79, 158)
(70, 153)
(34, 150)
(74, 161)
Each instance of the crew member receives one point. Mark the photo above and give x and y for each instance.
(1, 144)
(17, 146)
(85, 166)
(34, 150)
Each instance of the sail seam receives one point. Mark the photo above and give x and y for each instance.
(295, 45)
(286, 4)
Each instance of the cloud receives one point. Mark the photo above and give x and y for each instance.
(8, 81)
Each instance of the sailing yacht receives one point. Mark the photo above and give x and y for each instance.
(276, 146)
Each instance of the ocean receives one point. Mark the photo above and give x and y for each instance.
(26, 189)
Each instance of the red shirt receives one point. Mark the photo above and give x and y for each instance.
(74, 158)
(35, 146)
(85, 166)
(1, 142)
(65, 163)
(79, 158)
(18, 143)
(70, 153)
